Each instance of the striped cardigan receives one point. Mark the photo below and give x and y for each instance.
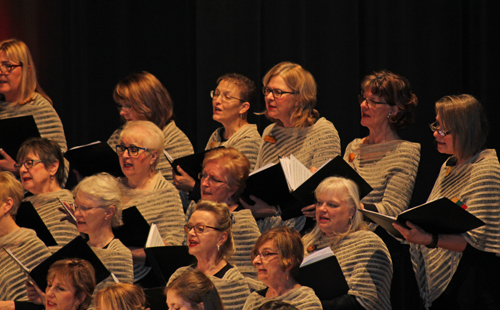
(303, 298)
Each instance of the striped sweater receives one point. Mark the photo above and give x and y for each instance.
(367, 267)
(232, 288)
(390, 168)
(303, 298)
(118, 260)
(176, 143)
(30, 250)
(46, 205)
(476, 182)
(312, 146)
(162, 206)
(246, 140)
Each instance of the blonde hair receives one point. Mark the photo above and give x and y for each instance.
(10, 187)
(121, 296)
(152, 137)
(17, 51)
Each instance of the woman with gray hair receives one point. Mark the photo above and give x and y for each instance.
(362, 255)
(97, 209)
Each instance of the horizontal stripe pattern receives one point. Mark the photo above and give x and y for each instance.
(303, 298)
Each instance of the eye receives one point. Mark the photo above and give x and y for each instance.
(134, 149)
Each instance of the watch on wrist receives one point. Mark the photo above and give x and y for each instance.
(434, 242)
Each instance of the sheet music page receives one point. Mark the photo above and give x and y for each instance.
(261, 168)
(168, 156)
(154, 237)
(80, 146)
(317, 256)
(299, 171)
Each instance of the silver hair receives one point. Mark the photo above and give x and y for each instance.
(148, 134)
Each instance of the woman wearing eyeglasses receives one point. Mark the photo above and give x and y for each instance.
(389, 164)
(40, 164)
(362, 255)
(210, 240)
(23, 96)
(141, 96)
(277, 255)
(139, 148)
(461, 271)
(290, 95)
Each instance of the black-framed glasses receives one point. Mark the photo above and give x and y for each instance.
(7, 68)
(277, 93)
(83, 209)
(211, 180)
(132, 150)
(198, 228)
(435, 127)
(28, 164)
(370, 102)
(263, 255)
(224, 97)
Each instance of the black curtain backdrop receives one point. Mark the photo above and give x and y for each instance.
(83, 48)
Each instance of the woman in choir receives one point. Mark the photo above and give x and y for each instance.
(277, 256)
(362, 255)
(290, 95)
(40, 164)
(231, 101)
(210, 240)
(223, 179)
(23, 243)
(97, 208)
(193, 290)
(23, 96)
(461, 271)
(121, 296)
(141, 96)
(389, 164)
(139, 147)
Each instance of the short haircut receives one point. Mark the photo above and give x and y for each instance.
(121, 296)
(195, 287)
(303, 84)
(289, 245)
(223, 217)
(236, 164)
(246, 86)
(148, 133)
(104, 190)
(464, 117)
(10, 187)
(47, 150)
(276, 305)
(79, 273)
(395, 90)
(147, 97)
(18, 51)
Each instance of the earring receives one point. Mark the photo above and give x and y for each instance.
(218, 248)
(241, 116)
(52, 177)
(389, 115)
(287, 275)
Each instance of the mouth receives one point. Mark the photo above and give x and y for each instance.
(323, 219)
(127, 165)
(26, 179)
(217, 110)
(192, 243)
(50, 304)
(365, 115)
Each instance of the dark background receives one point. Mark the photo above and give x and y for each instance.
(83, 48)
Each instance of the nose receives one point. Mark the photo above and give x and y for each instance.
(23, 169)
(436, 134)
(49, 291)
(122, 112)
(257, 260)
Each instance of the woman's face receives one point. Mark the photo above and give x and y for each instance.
(36, 180)
(90, 217)
(61, 295)
(332, 215)
(227, 111)
(445, 145)
(214, 186)
(175, 302)
(136, 167)
(283, 107)
(129, 113)
(10, 82)
(374, 116)
(201, 244)
(268, 269)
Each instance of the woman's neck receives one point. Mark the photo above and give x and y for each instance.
(381, 136)
(282, 287)
(7, 225)
(210, 264)
(141, 183)
(101, 237)
(231, 128)
(51, 186)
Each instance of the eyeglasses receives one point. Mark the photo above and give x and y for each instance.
(435, 127)
(263, 256)
(224, 97)
(7, 68)
(28, 164)
(370, 102)
(320, 203)
(132, 150)
(124, 107)
(198, 228)
(277, 93)
(211, 180)
(84, 209)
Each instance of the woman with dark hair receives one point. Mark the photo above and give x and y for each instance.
(141, 96)
(210, 240)
(23, 96)
(193, 290)
(461, 271)
(277, 255)
(121, 296)
(41, 169)
(290, 95)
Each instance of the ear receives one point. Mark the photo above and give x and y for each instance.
(154, 155)
(80, 299)
(110, 211)
(394, 110)
(244, 107)
(52, 168)
(200, 306)
(7, 205)
(222, 238)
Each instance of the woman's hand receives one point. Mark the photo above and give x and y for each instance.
(260, 209)
(183, 181)
(66, 211)
(415, 234)
(7, 163)
(138, 256)
(309, 211)
(35, 295)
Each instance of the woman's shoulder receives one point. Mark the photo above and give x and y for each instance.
(178, 273)
(365, 239)
(233, 273)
